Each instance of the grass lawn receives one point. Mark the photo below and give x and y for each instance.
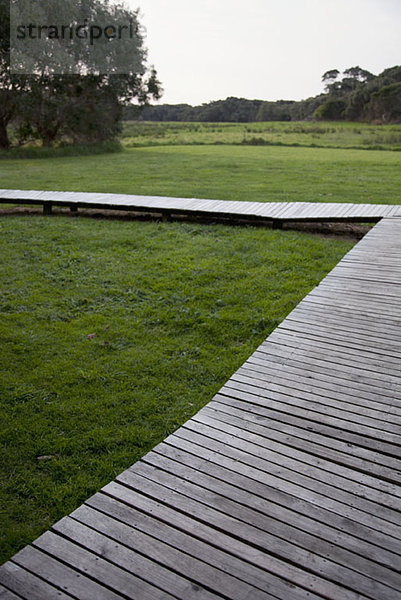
(113, 333)
(263, 173)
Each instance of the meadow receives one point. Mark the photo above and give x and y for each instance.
(264, 173)
(114, 332)
(360, 136)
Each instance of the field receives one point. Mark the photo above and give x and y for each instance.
(309, 135)
(219, 171)
(114, 332)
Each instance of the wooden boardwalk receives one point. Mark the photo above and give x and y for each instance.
(273, 212)
(285, 486)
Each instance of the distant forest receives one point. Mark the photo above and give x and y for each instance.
(354, 95)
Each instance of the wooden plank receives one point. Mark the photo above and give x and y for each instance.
(286, 485)
(111, 581)
(286, 401)
(350, 444)
(297, 377)
(285, 211)
(384, 493)
(27, 585)
(307, 474)
(133, 559)
(345, 403)
(313, 355)
(245, 550)
(194, 557)
(377, 369)
(302, 439)
(288, 496)
(251, 529)
(284, 481)
(277, 518)
(61, 576)
(6, 594)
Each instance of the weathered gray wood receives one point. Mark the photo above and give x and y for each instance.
(294, 376)
(27, 585)
(276, 212)
(116, 581)
(129, 559)
(5, 594)
(277, 517)
(198, 503)
(350, 445)
(295, 471)
(305, 440)
(246, 550)
(311, 410)
(240, 462)
(191, 555)
(281, 492)
(333, 398)
(61, 576)
(308, 360)
(384, 493)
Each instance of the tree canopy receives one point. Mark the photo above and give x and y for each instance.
(70, 89)
(354, 95)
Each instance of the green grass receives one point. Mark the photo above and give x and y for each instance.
(263, 173)
(113, 333)
(308, 134)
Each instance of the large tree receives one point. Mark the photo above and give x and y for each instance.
(74, 88)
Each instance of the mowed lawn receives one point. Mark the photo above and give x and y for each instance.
(113, 333)
(252, 173)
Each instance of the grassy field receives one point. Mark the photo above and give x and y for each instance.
(114, 333)
(263, 173)
(308, 134)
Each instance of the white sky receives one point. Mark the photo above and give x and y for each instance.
(266, 49)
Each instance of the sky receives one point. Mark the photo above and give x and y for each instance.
(207, 50)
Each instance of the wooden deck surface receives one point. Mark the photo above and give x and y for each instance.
(285, 486)
(276, 212)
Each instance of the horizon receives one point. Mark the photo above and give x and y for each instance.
(207, 52)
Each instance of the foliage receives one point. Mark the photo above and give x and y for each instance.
(79, 107)
(275, 111)
(349, 97)
(331, 110)
(11, 86)
(346, 97)
(385, 104)
(115, 333)
(231, 110)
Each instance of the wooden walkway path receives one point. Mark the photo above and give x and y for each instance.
(285, 486)
(273, 212)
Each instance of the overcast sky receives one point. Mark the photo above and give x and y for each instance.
(266, 49)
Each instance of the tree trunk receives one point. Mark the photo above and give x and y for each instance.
(4, 141)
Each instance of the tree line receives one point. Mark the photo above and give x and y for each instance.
(354, 95)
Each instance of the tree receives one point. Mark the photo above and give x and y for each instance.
(329, 78)
(332, 110)
(385, 104)
(11, 86)
(74, 89)
(358, 74)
